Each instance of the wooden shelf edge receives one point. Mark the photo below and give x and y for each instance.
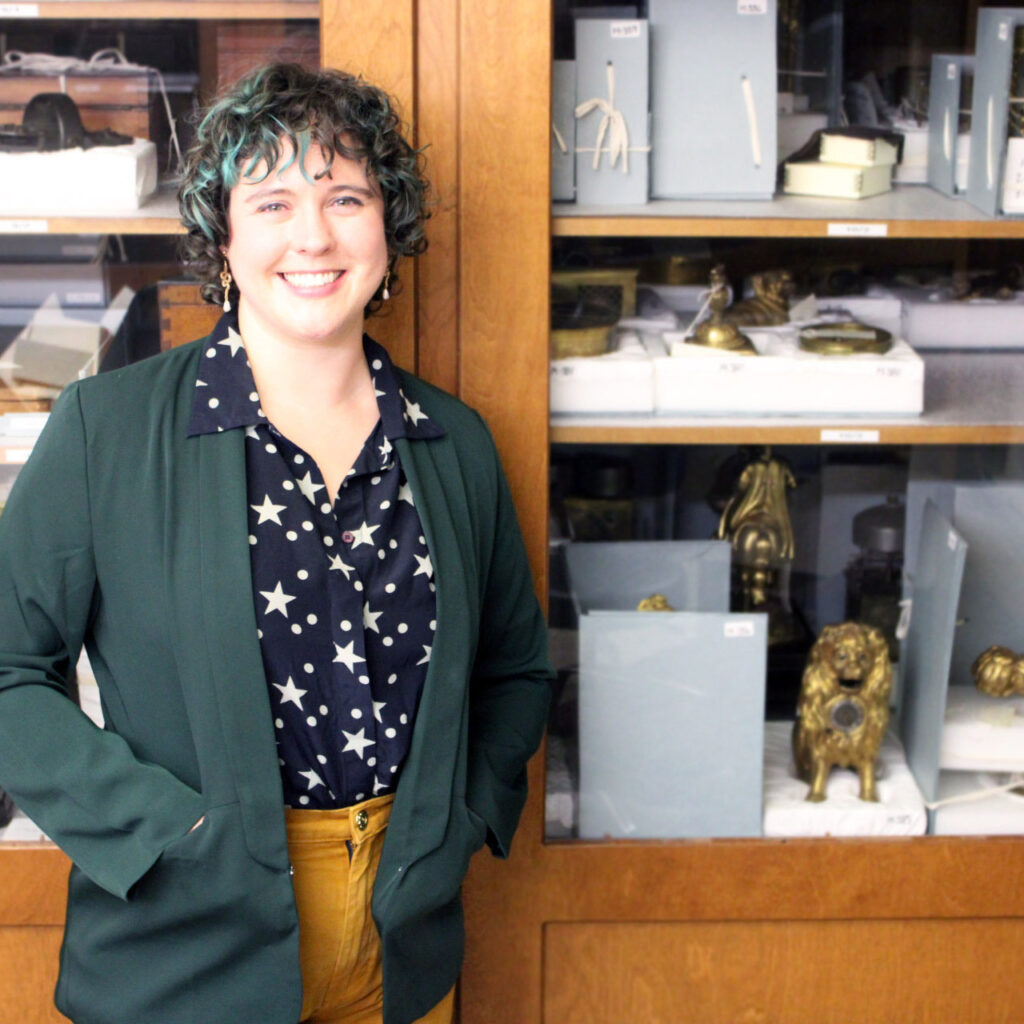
(222, 10)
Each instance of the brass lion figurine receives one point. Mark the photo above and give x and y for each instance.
(999, 672)
(843, 709)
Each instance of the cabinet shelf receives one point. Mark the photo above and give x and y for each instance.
(970, 398)
(158, 9)
(159, 216)
(908, 211)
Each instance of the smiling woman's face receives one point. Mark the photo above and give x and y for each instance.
(306, 255)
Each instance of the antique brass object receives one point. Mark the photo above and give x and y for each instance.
(999, 672)
(845, 339)
(756, 522)
(769, 305)
(843, 709)
(567, 342)
(655, 603)
(716, 332)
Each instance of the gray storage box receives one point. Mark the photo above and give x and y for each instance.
(945, 101)
(563, 131)
(612, 68)
(713, 99)
(671, 704)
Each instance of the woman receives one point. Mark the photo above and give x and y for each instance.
(298, 575)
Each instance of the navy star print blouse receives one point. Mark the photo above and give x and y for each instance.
(343, 590)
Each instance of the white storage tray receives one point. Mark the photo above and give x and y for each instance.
(982, 733)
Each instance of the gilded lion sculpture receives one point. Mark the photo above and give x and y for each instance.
(843, 708)
(999, 672)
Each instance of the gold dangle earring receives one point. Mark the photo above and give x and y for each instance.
(225, 283)
(385, 295)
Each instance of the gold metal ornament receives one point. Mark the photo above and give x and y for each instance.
(769, 305)
(655, 603)
(999, 672)
(843, 709)
(716, 331)
(845, 339)
(225, 283)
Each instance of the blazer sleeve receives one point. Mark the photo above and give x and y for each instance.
(511, 686)
(83, 786)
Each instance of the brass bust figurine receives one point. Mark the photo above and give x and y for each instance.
(716, 331)
(769, 305)
(843, 709)
(999, 672)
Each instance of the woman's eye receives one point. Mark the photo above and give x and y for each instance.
(271, 207)
(347, 201)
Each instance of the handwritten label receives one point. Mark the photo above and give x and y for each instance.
(848, 436)
(19, 10)
(751, 6)
(9, 226)
(858, 230)
(625, 29)
(738, 629)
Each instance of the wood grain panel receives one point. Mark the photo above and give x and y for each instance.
(34, 889)
(28, 974)
(437, 281)
(376, 39)
(913, 972)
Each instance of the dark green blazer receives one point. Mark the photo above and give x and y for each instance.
(125, 535)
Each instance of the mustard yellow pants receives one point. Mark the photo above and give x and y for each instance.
(335, 855)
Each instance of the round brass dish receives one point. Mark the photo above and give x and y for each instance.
(845, 339)
(567, 342)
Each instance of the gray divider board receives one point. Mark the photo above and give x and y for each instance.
(617, 576)
(945, 98)
(563, 103)
(927, 649)
(701, 137)
(989, 105)
(671, 724)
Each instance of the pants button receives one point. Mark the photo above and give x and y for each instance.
(362, 820)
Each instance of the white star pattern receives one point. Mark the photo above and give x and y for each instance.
(356, 605)
(277, 600)
(290, 693)
(364, 535)
(347, 656)
(268, 511)
(356, 741)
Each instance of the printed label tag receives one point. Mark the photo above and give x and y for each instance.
(904, 622)
(751, 6)
(19, 10)
(951, 540)
(1004, 30)
(24, 227)
(858, 230)
(951, 71)
(738, 629)
(851, 436)
(13, 456)
(625, 29)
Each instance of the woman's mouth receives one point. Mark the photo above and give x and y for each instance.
(312, 280)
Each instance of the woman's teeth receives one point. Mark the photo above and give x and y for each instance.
(312, 280)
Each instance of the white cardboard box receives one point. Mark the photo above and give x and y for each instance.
(784, 380)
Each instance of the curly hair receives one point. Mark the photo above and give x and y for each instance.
(282, 110)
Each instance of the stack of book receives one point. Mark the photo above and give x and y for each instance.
(847, 168)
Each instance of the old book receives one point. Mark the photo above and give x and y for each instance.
(839, 181)
(846, 149)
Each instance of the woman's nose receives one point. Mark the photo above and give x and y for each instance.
(311, 230)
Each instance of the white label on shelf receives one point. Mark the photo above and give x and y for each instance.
(951, 540)
(1004, 30)
(848, 436)
(14, 456)
(739, 629)
(903, 626)
(856, 230)
(751, 6)
(19, 10)
(951, 71)
(10, 226)
(625, 29)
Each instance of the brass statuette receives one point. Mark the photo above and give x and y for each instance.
(845, 339)
(999, 672)
(769, 305)
(716, 331)
(843, 709)
(655, 603)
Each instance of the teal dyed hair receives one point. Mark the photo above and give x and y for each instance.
(278, 113)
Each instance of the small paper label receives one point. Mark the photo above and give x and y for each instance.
(751, 6)
(850, 436)
(739, 629)
(904, 622)
(84, 298)
(1004, 30)
(951, 71)
(858, 230)
(14, 456)
(19, 10)
(625, 29)
(951, 540)
(10, 226)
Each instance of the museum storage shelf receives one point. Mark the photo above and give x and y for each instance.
(204, 10)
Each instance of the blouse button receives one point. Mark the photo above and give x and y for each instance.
(348, 536)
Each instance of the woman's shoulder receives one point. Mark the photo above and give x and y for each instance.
(451, 413)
